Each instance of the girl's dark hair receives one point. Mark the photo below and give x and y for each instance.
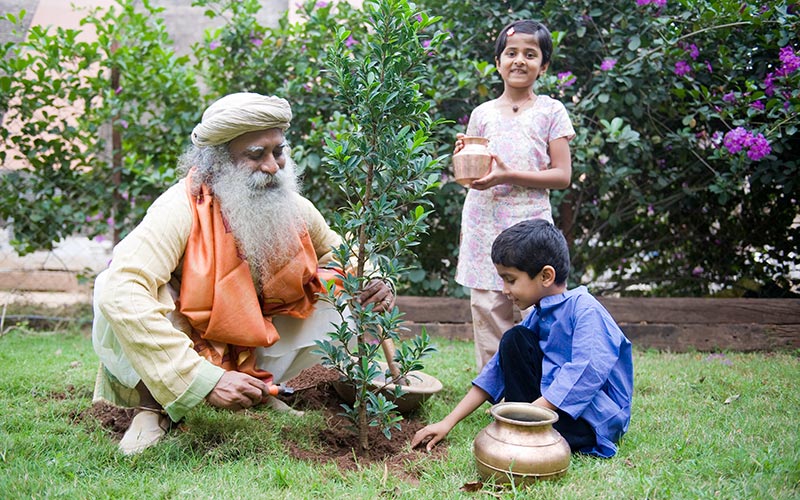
(530, 245)
(529, 27)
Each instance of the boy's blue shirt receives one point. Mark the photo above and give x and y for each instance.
(587, 369)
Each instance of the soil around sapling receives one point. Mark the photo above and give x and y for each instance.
(336, 442)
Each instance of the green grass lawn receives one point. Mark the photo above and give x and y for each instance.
(704, 426)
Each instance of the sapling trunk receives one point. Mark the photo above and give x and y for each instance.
(382, 167)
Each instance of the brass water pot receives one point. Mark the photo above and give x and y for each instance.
(521, 445)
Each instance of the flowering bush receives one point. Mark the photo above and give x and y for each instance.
(661, 202)
(685, 161)
(705, 195)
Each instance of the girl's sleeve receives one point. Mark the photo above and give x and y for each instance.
(475, 125)
(561, 124)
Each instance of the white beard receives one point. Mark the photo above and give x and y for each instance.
(260, 211)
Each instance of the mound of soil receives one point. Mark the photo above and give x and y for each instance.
(338, 443)
(112, 419)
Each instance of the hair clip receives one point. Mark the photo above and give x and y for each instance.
(510, 31)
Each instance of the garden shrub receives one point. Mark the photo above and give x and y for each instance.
(686, 112)
(99, 124)
(382, 166)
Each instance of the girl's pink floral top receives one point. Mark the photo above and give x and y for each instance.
(522, 142)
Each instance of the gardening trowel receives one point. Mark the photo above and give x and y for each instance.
(389, 352)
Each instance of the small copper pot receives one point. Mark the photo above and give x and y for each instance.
(473, 161)
(521, 445)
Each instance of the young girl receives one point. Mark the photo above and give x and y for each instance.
(529, 138)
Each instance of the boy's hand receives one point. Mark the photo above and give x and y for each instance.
(432, 433)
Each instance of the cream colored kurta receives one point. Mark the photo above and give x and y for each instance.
(139, 335)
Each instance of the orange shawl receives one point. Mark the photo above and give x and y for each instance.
(218, 296)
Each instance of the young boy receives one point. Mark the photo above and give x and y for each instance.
(568, 355)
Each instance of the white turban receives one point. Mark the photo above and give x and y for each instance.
(236, 114)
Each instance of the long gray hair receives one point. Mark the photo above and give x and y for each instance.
(208, 160)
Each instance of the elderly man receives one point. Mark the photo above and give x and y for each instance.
(212, 297)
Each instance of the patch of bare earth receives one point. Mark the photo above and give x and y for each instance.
(337, 442)
(112, 419)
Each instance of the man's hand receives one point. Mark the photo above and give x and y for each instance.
(377, 292)
(236, 391)
(432, 433)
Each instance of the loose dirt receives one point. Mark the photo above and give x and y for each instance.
(337, 442)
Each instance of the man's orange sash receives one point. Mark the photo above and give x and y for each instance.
(218, 296)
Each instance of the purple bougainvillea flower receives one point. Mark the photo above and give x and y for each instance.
(709, 68)
(738, 139)
(790, 61)
(697, 271)
(214, 44)
(735, 139)
(682, 68)
(642, 2)
(463, 120)
(759, 148)
(350, 41)
(566, 79)
(730, 98)
(769, 84)
(118, 90)
(693, 51)
(608, 64)
(759, 105)
(255, 39)
(321, 5)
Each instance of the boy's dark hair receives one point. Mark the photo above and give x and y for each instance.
(530, 245)
(543, 38)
